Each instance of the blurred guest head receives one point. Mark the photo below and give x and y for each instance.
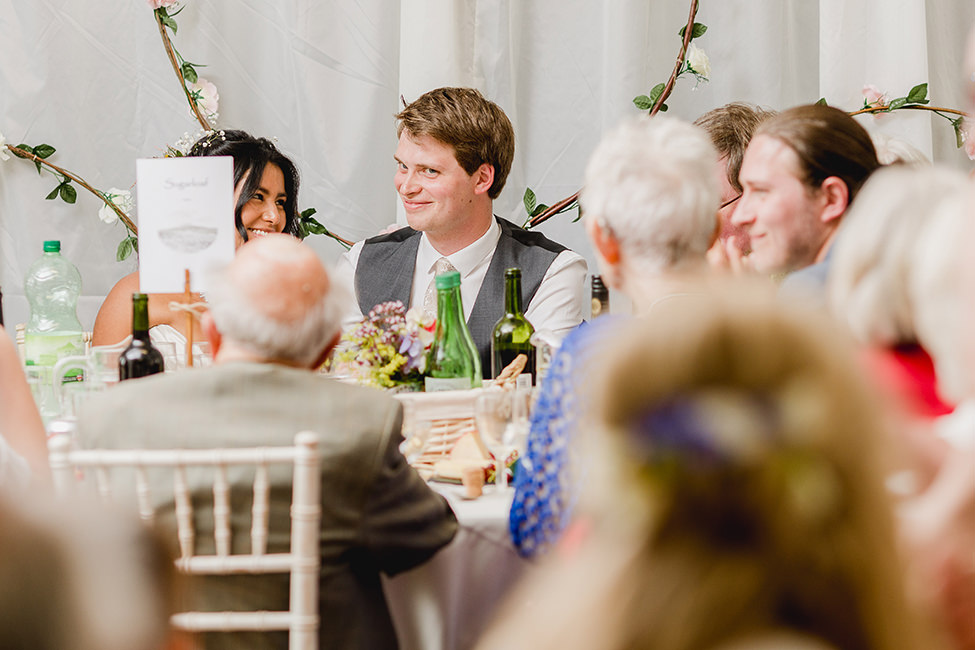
(649, 201)
(738, 497)
(872, 269)
(801, 171)
(81, 578)
(274, 303)
(944, 277)
(265, 182)
(731, 127)
(897, 151)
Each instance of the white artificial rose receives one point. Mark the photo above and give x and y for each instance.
(3, 148)
(698, 62)
(121, 198)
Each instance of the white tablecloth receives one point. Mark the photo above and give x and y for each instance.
(448, 602)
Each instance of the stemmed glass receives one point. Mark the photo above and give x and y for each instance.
(493, 415)
(516, 433)
(417, 432)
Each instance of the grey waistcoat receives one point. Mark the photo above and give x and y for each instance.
(386, 265)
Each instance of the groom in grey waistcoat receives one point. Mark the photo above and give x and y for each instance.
(454, 154)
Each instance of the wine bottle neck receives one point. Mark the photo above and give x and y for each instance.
(140, 317)
(512, 295)
(449, 308)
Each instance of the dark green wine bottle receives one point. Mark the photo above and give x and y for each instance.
(512, 334)
(600, 297)
(452, 362)
(141, 358)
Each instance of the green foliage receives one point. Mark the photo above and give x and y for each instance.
(918, 94)
(65, 190)
(916, 97)
(125, 248)
(643, 102)
(166, 19)
(41, 151)
(896, 103)
(655, 94)
(68, 193)
(44, 150)
(529, 200)
(696, 32)
(959, 136)
(308, 225)
(532, 206)
(821, 102)
(189, 73)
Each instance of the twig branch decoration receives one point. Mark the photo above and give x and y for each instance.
(655, 102)
(184, 70)
(65, 195)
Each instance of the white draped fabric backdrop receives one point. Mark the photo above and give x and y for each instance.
(325, 77)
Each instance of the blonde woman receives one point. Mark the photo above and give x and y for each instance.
(740, 502)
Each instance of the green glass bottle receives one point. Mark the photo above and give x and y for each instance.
(453, 362)
(141, 358)
(512, 333)
(600, 297)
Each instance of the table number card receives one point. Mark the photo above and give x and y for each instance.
(186, 220)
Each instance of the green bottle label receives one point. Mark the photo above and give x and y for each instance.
(434, 384)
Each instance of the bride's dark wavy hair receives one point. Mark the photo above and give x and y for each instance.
(251, 155)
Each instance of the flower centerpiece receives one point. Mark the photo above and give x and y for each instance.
(388, 349)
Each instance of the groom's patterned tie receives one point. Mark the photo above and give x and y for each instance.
(430, 297)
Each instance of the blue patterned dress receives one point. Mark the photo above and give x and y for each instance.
(548, 476)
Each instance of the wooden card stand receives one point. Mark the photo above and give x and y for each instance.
(188, 299)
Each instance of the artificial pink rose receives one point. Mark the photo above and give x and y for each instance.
(206, 96)
(968, 137)
(159, 4)
(874, 96)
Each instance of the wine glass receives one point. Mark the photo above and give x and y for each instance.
(492, 414)
(516, 433)
(416, 431)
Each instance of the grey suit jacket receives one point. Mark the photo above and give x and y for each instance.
(377, 514)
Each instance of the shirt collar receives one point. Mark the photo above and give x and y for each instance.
(466, 259)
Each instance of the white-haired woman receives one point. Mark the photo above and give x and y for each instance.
(648, 206)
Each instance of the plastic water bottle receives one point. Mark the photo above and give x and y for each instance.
(52, 287)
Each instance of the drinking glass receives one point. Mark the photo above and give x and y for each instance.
(416, 432)
(492, 415)
(516, 433)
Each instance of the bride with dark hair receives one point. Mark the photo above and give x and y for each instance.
(265, 200)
